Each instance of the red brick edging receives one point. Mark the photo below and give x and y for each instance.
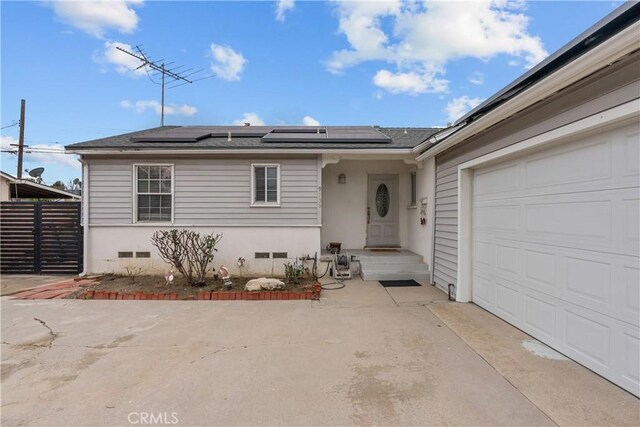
(209, 296)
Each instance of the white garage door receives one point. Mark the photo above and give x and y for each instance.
(556, 249)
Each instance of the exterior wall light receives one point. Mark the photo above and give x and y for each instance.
(342, 179)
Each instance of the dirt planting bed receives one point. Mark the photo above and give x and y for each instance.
(156, 288)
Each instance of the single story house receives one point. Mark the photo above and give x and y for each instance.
(14, 189)
(274, 192)
(528, 206)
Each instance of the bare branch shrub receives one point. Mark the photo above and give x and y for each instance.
(187, 251)
(133, 272)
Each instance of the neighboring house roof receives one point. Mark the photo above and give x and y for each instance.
(604, 30)
(25, 189)
(262, 137)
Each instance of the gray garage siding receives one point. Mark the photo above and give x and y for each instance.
(208, 191)
(605, 89)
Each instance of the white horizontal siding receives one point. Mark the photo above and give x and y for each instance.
(614, 87)
(110, 192)
(209, 191)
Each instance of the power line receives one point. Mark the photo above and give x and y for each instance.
(168, 75)
(10, 126)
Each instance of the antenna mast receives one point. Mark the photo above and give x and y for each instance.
(160, 68)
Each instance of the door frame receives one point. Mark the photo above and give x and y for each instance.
(629, 111)
(395, 191)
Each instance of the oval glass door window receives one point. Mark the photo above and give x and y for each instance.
(382, 200)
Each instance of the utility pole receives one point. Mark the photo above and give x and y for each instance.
(162, 115)
(159, 68)
(21, 139)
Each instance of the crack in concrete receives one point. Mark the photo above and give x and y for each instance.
(52, 335)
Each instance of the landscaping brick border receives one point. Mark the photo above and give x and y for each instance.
(209, 296)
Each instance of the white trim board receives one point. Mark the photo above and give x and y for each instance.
(613, 116)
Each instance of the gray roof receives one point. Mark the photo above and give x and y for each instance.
(263, 137)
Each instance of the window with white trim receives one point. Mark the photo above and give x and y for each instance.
(266, 184)
(413, 189)
(154, 193)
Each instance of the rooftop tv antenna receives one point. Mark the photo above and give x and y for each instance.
(169, 75)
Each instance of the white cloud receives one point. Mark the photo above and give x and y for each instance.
(310, 121)
(95, 17)
(156, 107)
(282, 7)
(228, 64)
(457, 107)
(251, 118)
(412, 82)
(49, 154)
(421, 38)
(476, 78)
(123, 63)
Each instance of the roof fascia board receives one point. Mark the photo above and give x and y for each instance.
(46, 188)
(239, 151)
(602, 55)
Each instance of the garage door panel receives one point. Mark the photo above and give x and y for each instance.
(631, 354)
(631, 292)
(604, 283)
(483, 253)
(539, 314)
(496, 181)
(588, 337)
(496, 218)
(631, 223)
(484, 291)
(630, 167)
(556, 245)
(584, 161)
(508, 300)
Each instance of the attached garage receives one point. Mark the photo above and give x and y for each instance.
(554, 247)
(537, 202)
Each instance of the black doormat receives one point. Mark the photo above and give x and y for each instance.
(398, 283)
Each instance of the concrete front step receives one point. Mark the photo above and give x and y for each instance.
(399, 258)
(393, 266)
(379, 275)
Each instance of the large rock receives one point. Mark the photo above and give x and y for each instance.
(264, 283)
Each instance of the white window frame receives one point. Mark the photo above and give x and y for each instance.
(135, 193)
(255, 203)
(413, 204)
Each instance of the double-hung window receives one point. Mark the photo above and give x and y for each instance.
(154, 193)
(265, 180)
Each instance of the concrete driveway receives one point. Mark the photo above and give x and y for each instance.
(362, 355)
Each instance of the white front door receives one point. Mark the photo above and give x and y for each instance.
(382, 211)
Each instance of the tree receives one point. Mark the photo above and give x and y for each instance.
(59, 185)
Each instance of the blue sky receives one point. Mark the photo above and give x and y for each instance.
(287, 62)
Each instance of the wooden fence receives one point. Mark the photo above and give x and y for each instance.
(41, 238)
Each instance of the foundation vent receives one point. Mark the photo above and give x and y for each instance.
(143, 254)
(280, 255)
(125, 254)
(262, 255)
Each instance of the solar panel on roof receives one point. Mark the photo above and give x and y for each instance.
(174, 135)
(355, 135)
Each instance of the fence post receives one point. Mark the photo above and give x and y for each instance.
(37, 236)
